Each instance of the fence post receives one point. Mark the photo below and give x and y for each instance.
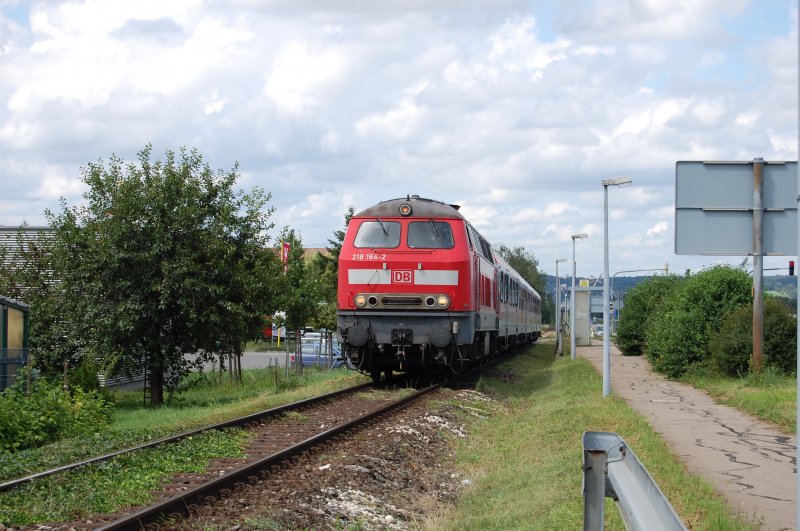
(594, 489)
(611, 469)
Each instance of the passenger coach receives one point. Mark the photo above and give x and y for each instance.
(420, 289)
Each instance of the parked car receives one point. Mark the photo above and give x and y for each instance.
(314, 349)
(598, 331)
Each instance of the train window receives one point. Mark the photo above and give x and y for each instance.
(470, 237)
(430, 235)
(487, 250)
(476, 240)
(378, 234)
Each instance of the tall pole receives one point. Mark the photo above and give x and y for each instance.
(572, 306)
(606, 301)
(758, 266)
(797, 354)
(558, 312)
(619, 181)
(558, 308)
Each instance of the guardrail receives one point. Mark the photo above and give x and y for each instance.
(611, 469)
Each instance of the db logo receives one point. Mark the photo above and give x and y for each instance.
(401, 277)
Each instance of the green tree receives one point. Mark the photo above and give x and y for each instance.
(28, 274)
(642, 302)
(527, 266)
(300, 287)
(732, 346)
(326, 267)
(163, 259)
(678, 336)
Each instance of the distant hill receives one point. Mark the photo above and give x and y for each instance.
(782, 286)
(621, 284)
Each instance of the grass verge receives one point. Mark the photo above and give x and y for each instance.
(525, 460)
(126, 480)
(771, 397)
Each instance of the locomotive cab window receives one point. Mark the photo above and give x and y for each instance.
(430, 235)
(378, 234)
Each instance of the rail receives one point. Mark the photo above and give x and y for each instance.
(240, 421)
(222, 486)
(611, 469)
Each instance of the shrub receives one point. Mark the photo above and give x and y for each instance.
(675, 340)
(47, 414)
(84, 375)
(780, 336)
(642, 302)
(678, 335)
(731, 347)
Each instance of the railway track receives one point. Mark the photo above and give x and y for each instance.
(276, 438)
(237, 422)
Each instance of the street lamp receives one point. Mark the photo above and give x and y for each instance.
(581, 236)
(558, 308)
(619, 181)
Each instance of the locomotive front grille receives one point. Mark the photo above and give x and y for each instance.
(402, 301)
(393, 301)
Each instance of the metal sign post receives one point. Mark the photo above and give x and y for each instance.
(758, 266)
(738, 208)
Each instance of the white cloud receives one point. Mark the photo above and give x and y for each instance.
(57, 186)
(658, 229)
(398, 123)
(299, 75)
(516, 48)
(747, 119)
(213, 104)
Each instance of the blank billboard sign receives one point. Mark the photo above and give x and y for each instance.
(714, 208)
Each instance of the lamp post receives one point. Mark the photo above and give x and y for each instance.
(558, 308)
(581, 236)
(619, 181)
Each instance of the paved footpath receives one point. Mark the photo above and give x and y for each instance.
(750, 462)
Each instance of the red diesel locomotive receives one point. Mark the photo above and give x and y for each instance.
(420, 289)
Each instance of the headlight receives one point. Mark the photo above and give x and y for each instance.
(360, 301)
(443, 301)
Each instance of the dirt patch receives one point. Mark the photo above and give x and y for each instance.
(506, 374)
(390, 475)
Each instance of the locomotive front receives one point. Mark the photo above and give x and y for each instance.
(404, 298)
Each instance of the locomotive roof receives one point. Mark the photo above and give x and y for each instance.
(420, 207)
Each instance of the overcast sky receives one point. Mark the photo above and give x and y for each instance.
(515, 110)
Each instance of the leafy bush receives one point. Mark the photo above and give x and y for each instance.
(47, 414)
(678, 336)
(675, 340)
(780, 336)
(85, 375)
(732, 345)
(642, 302)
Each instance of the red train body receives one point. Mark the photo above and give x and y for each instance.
(420, 289)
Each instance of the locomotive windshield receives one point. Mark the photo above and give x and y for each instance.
(430, 235)
(380, 234)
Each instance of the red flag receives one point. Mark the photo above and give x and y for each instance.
(285, 255)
